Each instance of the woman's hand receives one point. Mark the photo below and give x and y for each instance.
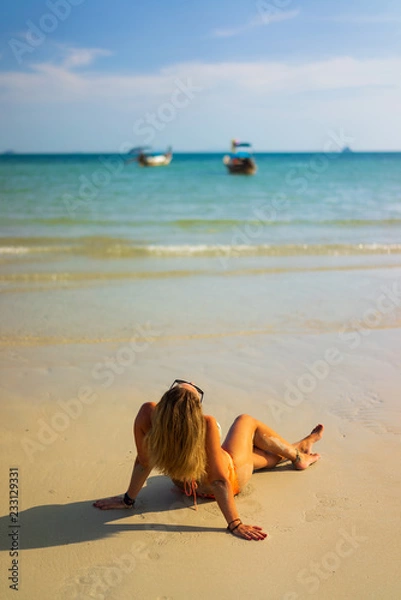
(249, 532)
(110, 503)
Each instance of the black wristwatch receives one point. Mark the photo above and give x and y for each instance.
(129, 502)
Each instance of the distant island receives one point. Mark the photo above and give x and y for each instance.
(346, 150)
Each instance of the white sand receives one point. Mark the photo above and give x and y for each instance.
(333, 530)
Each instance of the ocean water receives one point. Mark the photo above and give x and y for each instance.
(90, 244)
(296, 204)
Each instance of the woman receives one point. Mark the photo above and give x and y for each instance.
(176, 437)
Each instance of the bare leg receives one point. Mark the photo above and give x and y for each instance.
(251, 443)
(305, 445)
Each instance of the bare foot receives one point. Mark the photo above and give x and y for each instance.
(303, 460)
(305, 445)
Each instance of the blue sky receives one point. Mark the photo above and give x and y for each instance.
(86, 75)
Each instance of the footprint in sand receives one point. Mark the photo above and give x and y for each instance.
(327, 508)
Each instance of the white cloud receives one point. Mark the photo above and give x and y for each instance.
(362, 19)
(268, 77)
(82, 57)
(263, 18)
(49, 82)
(275, 101)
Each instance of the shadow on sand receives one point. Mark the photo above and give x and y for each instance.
(51, 525)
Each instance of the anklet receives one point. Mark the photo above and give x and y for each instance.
(298, 457)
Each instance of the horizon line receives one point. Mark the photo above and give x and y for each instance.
(114, 152)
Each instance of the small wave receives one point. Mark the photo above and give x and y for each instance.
(112, 248)
(13, 250)
(244, 250)
(24, 250)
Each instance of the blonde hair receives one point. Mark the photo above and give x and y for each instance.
(176, 441)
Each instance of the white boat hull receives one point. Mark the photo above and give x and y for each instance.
(160, 160)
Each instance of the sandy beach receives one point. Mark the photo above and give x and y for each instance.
(332, 529)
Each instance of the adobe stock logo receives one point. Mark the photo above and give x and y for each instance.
(312, 576)
(36, 34)
(274, 11)
(51, 428)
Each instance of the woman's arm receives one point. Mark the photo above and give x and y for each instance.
(222, 490)
(141, 469)
(217, 472)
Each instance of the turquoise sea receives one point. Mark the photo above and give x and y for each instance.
(297, 203)
(90, 243)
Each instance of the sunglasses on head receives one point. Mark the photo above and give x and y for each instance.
(198, 389)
